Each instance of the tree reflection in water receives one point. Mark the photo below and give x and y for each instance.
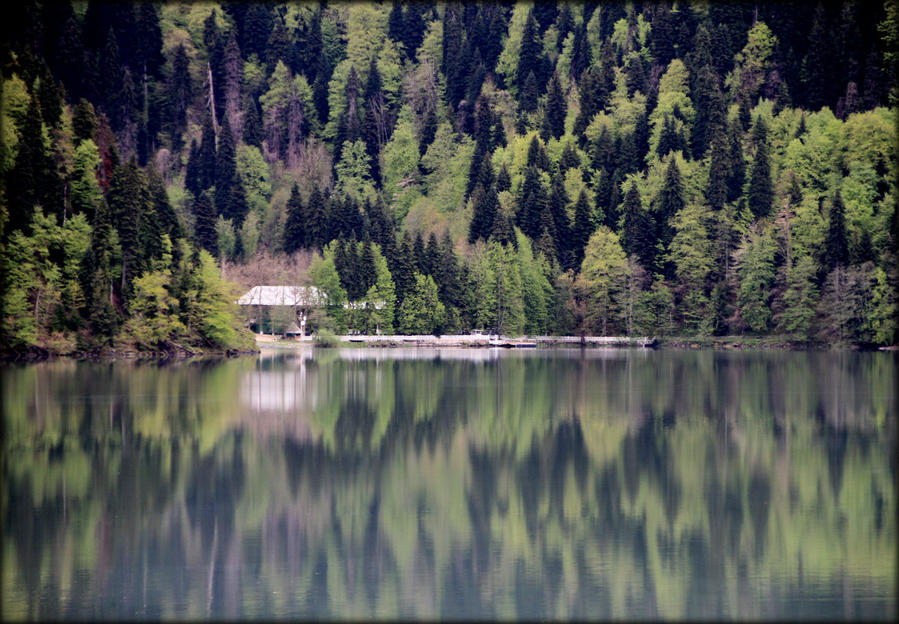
(453, 483)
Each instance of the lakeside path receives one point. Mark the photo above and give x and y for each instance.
(461, 340)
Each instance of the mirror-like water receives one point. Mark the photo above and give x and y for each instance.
(481, 484)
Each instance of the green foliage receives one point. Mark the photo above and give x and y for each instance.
(400, 165)
(153, 320)
(324, 276)
(254, 176)
(799, 300)
(674, 127)
(755, 261)
(353, 179)
(85, 190)
(421, 312)
(752, 63)
(213, 313)
(603, 274)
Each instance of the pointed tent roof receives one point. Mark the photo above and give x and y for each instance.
(283, 296)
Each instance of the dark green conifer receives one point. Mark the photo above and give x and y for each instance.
(225, 170)
(485, 206)
(556, 108)
(668, 203)
(295, 224)
(529, 94)
(761, 191)
(403, 269)
(531, 202)
(836, 245)
(557, 204)
(204, 224)
(584, 226)
(638, 237)
(206, 154)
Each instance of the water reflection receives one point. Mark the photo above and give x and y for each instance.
(453, 483)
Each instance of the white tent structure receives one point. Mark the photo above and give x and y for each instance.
(296, 296)
(301, 298)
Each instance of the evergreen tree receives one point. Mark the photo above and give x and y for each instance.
(295, 230)
(192, 177)
(636, 74)
(503, 230)
(374, 101)
(527, 100)
(638, 237)
(569, 158)
(349, 124)
(719, 172)
(557, 205)
(452, 61)
(641, 135)
(50, 96)
(584, 225)
(316, 220)
(580, 53)
(710, 120)
(403, 269)
(204, 224)
(485, 205)
(603, 154)
(320, 87)
(166, 217)
(127, 205)
(737, 163)
(537, 156)
(257, 29)
(252, 126)
(431, 258)
(367, 274)
(530, 58)
(98, 277)
(309, 48)
(395, 22)
(206, 155)
(225, 171)
(669, 202)
(531, 203)
(836, 245)
(428, 131)
(180, 90)
(413, 28)
(556, 108)
(72, 58)
(279, 44)
(503, 179)
(27, 182)
(761, 192)
(448, 275)
(418, 254)
(590, 99)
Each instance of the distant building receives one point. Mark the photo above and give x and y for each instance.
(301, 298)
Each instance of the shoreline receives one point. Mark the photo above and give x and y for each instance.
(719, 343)
(469, 341)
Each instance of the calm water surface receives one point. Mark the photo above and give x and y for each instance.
(431, 484)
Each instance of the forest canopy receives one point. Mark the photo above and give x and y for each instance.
(654, 168)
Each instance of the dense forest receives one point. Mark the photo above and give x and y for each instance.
(639, 168)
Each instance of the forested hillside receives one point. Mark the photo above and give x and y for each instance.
(641, 168)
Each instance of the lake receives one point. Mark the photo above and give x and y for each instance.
(452, 483)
